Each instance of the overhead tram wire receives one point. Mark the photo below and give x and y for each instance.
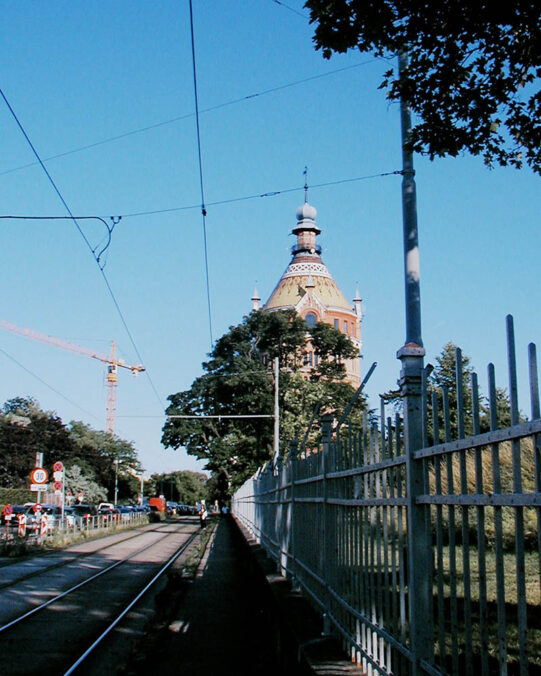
(179, 118)
(272, 193)
(201, 184)
(189, 207)
(85, 239)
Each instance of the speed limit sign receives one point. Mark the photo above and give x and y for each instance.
(39, 476)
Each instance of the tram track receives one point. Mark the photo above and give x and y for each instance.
(86, 581)
(71, 559)
(79, 618)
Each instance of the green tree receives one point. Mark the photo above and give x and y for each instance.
(473, 73)
(332, 348)
(239, 381)
(24, 431)
(76, 481)
(99, 452)
(185, 486)
(444, 375)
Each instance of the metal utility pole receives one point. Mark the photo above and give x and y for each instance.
(116, 481)
(412, 357)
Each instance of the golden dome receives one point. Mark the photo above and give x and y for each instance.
(293, 284)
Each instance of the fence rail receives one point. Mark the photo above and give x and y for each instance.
(336, 517)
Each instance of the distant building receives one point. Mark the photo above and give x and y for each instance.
(308, 288)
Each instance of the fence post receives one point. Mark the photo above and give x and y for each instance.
(292, 467)
(419, 546)
(326, 421)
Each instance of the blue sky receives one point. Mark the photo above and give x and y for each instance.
(79, 74)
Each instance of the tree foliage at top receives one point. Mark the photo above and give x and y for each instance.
(238, 381)
(473, 73)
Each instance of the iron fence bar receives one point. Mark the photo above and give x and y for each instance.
(473, 500)
(368, 502)
(496, 436)
(465, 517)
(393, 545)
(373, 661)
(519, 514)
(498, 528)
(312, 420)
(368, 468)
(439, 534)
(481, 549)
(387, 511)
(534, 399)
(452, 533)
(355, 397)
(326, 428)
(376, 628)
(378, 450)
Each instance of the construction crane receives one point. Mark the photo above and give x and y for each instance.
(112, 363)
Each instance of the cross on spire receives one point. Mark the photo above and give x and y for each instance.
(305, 172)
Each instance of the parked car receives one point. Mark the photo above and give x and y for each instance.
(84, 511)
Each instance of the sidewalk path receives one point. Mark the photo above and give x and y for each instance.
(220, 628)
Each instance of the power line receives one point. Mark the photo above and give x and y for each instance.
(291, 9)
(203, 209)
(85, 239)
(272, 193)
(179, 118)
(43, 382)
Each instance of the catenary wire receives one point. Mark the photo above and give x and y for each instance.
(272, 193)
(201, 182)
(85, 239)
(179, 118)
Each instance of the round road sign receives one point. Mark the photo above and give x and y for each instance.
(36, 508)
(58, 467)
(39, 476)
(8, 509)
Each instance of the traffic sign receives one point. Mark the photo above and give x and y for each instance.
(36, 508)
(38, 488)
(58, 467)
(39, 476)
(58, 475)
(8, 509)
(57, 485)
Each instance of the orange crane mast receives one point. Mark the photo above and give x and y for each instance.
(111, 360)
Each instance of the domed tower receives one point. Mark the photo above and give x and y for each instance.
(308, 287)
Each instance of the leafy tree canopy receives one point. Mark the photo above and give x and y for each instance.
(473, 73)
(184, 487)
(238, 381)
(25, 429)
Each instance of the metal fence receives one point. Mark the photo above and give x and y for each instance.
(423, 561)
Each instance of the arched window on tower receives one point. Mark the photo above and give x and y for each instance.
(310, 319)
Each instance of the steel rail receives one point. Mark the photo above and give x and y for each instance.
(82, 584)
(126, 610)
(75, 557)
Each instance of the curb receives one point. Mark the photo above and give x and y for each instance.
(301, 647)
